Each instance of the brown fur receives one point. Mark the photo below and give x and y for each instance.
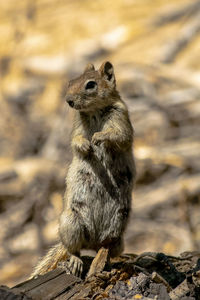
(100, 178)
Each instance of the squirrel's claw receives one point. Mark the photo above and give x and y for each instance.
(75, 265)
(72, 266)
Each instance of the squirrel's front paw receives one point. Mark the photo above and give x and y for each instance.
(98, 138)
(74, 265)
(85, 147)
(81, 145)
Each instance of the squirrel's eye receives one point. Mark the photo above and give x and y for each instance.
(90, 85)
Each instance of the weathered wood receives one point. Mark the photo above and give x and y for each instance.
(8, 294)
(159, 279)
(99, 262)
(31, 284)
(48, 286)
(52, 289)
(69, 294)
(157, 275)
(180, 291)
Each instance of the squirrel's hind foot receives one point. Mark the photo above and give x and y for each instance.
(74, 266)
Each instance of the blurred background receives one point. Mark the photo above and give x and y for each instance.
(155, 48)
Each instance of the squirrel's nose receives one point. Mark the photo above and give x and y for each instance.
(70, 101)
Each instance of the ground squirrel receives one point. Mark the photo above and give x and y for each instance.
(100, 178)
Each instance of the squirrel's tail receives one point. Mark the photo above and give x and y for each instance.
(50, 261)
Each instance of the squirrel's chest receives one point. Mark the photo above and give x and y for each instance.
(94, 124)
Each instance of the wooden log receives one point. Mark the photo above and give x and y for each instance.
(99, 262)
(8, 294)
(159, 275)
(48, 286)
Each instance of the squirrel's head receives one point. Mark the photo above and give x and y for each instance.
(93, 89)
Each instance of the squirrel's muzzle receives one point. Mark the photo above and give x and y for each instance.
(70, 101)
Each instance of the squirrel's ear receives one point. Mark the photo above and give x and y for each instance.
(107, 71)
(89, 67)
